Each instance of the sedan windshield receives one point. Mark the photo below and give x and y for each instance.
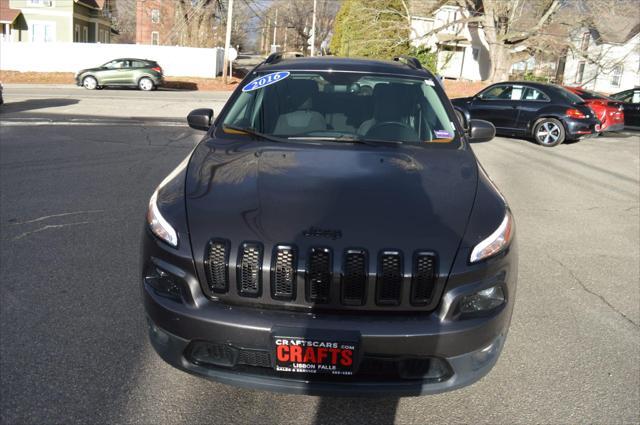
(341, 107)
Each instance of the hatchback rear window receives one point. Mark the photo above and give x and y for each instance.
(342, 105)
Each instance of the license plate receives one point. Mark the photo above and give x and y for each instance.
(317, 356)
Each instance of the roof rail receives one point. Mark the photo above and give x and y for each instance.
(278, 56)
(409, 61)
(273, 58)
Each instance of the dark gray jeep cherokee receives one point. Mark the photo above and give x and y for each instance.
(333, 233)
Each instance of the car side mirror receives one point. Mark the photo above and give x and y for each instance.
(481, 131)
(200, 119)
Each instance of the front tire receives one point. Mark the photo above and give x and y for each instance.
(549, 132)
(90, 83)
(145, 84)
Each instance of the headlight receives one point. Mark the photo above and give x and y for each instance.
(159, 226)
(496, 242)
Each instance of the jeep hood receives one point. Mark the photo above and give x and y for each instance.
(331, 195)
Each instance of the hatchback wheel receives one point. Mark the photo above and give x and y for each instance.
(90, 83)
(145, 84)
(549, 132)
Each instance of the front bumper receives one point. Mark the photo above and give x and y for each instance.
(466, 369)
(468, 347)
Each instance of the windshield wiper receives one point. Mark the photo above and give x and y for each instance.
(254, 133)
(348, 139)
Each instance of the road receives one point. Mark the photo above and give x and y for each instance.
(76, 172)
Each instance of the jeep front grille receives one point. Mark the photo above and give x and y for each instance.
(249, 269)
(217, 265)
(288, 278)
(423, 282)
(389, 284)
(354, 277)
(283, 273)
(319, 275)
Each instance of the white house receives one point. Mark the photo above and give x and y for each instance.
(463, 52)
(605, 57)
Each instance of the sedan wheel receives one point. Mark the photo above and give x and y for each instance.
(89, 83)
(145, 84)
(549, 132)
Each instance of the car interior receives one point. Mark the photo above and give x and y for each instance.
(360, 107)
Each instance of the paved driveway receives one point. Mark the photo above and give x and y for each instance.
(76, 171)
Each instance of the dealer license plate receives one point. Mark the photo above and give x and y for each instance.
(319, 356)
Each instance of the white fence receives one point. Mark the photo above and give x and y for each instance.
(71, 57)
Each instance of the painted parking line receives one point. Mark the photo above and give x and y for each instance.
(83, 123)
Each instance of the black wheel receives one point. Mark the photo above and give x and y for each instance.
(145, 84)
(549, 132)
(89, 83)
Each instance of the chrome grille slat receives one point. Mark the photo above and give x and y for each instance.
(283, 273)
(217, 265)
(389, 281)
(318, 275)
(249, 269)
(354, 277)
(424, 278)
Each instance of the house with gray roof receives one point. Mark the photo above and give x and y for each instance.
(605, 56)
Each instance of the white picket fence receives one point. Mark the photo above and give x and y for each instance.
(71, 57)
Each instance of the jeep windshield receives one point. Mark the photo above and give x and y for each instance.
(345, 107)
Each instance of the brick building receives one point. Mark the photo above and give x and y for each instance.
(154, 21)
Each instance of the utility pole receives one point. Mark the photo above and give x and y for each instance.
(313, 29)
(227, 42)
(275, 28)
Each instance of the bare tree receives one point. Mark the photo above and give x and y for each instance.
(294, 22)
(514, 30)
(124, 20)
(518, 29)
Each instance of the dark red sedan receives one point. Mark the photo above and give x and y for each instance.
(609, 111)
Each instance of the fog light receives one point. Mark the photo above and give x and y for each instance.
(162, 282)
(432, 368)
(484, 300)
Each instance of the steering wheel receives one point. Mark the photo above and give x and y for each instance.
(393, 130)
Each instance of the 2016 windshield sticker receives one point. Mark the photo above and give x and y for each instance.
(429, 83)
(266, 80)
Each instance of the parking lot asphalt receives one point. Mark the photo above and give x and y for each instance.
(76, 172)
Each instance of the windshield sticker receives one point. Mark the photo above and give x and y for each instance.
(443, 134)
(429, 83)
(265, 80)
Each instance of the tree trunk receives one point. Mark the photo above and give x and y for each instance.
(500, 63)
(498, 52)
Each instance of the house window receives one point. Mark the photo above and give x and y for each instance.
(616, 75)
(155, 38)
(43, 32)
(584, 45)
(85, 34)
(580, 73)
(76, 33)
(155, 16)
